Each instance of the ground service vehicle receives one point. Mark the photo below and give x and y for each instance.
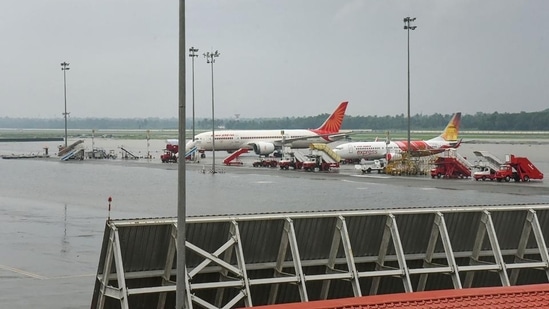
(170, 153)
(450, 167)
(264, 162)
(317, 163)
(519, 169)
(484, 173)
(287, 163)
(369, 166)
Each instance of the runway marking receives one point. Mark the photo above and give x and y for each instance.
(371, 176)
(74, 276)
(22, 272)
(351, 181)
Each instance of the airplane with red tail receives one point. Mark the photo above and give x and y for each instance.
(392, 150)
(265, 142)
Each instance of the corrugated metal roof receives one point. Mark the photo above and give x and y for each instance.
(530, 296)
(292, 257)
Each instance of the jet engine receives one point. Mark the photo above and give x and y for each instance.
(262, 148)
(393, 157)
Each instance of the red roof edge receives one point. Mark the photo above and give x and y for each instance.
(512, 294)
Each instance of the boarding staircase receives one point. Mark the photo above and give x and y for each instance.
(127, 154)
(62, 152)
(191, 151)
(73, 154)
(299, 156)
(451, 165)
(325, 152)
(232, 159)
(487, 159)
(462, 159)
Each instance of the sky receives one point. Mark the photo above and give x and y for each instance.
(283, 58)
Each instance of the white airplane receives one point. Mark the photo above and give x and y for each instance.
(265, 142)
(393, 150)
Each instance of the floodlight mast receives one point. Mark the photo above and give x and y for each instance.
(408, 27)
(192, 54)
(64, 68)
(210, 59)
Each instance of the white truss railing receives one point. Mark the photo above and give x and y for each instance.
(234, 285)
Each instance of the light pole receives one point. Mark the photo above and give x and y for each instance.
(192, 54)
(407, 27)
(64, 68)
(181, 301)
(210, 58)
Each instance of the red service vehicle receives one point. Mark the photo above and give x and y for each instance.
(518, 169)
(316, 163)
(287, 163)
(265, 163)
(232, 159)
(310, 164)
(170, 154)
(450, 167)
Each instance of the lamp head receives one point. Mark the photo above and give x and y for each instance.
(192, 51)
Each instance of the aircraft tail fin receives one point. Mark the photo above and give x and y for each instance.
(334, 121)
(451, 131)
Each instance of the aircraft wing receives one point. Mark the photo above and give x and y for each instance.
(345, 134)
(340, 134)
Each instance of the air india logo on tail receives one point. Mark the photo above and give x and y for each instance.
(452, 129)
(333, 123)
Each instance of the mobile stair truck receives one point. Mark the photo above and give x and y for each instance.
(519, 169)
(321, 158)
(451, 165)
(170, 153)
(486, 166)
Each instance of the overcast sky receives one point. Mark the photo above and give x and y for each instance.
(278, 58)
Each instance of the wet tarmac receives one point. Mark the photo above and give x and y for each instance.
(52, 213)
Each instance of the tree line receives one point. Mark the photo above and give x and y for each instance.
(523, 121)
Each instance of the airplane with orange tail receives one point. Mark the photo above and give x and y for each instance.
(390, 150)
(265, 142)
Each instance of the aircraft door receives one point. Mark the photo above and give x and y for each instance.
(236, 140)
(209, 140)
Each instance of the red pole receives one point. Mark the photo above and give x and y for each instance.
(110, 200)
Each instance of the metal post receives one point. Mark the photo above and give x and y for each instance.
(407, 27)
(181, 284)
(64, 68)
(192, 54)
(210, 58)
(148, 144)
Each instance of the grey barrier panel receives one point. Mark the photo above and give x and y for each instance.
(259, 259)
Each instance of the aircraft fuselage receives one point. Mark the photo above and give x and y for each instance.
(230, 140)
(378, 150)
